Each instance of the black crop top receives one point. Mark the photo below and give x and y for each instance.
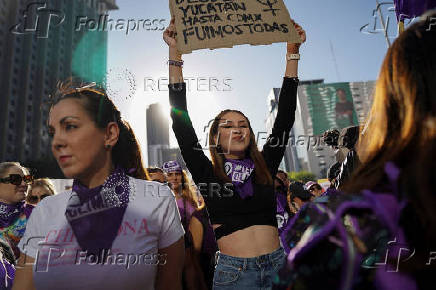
(224, 204)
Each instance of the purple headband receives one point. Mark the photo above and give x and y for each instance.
(171, 166)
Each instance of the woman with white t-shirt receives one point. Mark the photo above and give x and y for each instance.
(112, 230)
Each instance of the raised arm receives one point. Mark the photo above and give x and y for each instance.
(275, 146)
(196, 161)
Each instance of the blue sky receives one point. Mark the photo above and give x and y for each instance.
(251, 71)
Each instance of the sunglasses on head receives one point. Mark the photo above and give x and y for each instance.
(35, 198)
(16, 179)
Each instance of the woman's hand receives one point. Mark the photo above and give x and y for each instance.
(295, 47)
(170, 33)
(169, 37)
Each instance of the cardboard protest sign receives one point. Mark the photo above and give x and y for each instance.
(224, 23)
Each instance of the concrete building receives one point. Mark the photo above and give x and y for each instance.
(40, 45)
(316, 154)
(291, 160)
(158, 138)
(305, 150)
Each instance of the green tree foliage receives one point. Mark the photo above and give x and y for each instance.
(302, 176)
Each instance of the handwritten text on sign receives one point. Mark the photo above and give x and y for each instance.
(225, 23)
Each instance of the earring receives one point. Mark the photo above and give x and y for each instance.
(107, 146)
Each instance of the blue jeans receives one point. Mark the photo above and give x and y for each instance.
(247, 273)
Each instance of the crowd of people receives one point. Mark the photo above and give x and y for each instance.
(234, 221)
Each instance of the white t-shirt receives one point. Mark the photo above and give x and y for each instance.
(151, 222)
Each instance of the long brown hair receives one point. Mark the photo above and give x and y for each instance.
(403, 115)
(189, 193)
(44, 183)
(262, 173)
(402, 129)
(126, 153)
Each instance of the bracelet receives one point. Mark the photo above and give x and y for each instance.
(178, 63)
(292, 56)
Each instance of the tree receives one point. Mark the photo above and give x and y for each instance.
(302, 176)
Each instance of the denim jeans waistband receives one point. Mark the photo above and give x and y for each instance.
(250, 263)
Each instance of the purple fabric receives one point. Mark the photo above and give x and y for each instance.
(282, 214)
(330, 191)
(309, 184)
(13, 223)
(185, 211)
(240, 172)
(96, 214)
(28, 208)
(7, 274)
(281, 202)
(171, 166)
(387, 208)
(209, 245)
(10, 212)
(287, 228)
(407, 9)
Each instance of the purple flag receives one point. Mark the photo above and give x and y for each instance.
(407, 9)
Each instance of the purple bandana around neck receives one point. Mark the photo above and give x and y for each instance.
(10, 212)
(239, 171)
(96, 214)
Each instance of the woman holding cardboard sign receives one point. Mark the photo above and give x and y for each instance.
(237, 184)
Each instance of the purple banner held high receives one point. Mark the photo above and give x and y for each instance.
(407, 9)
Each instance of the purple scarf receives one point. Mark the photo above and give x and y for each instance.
(412, 8)
(239, 171)
(10, 212)
(282, 214)
(95, 214)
